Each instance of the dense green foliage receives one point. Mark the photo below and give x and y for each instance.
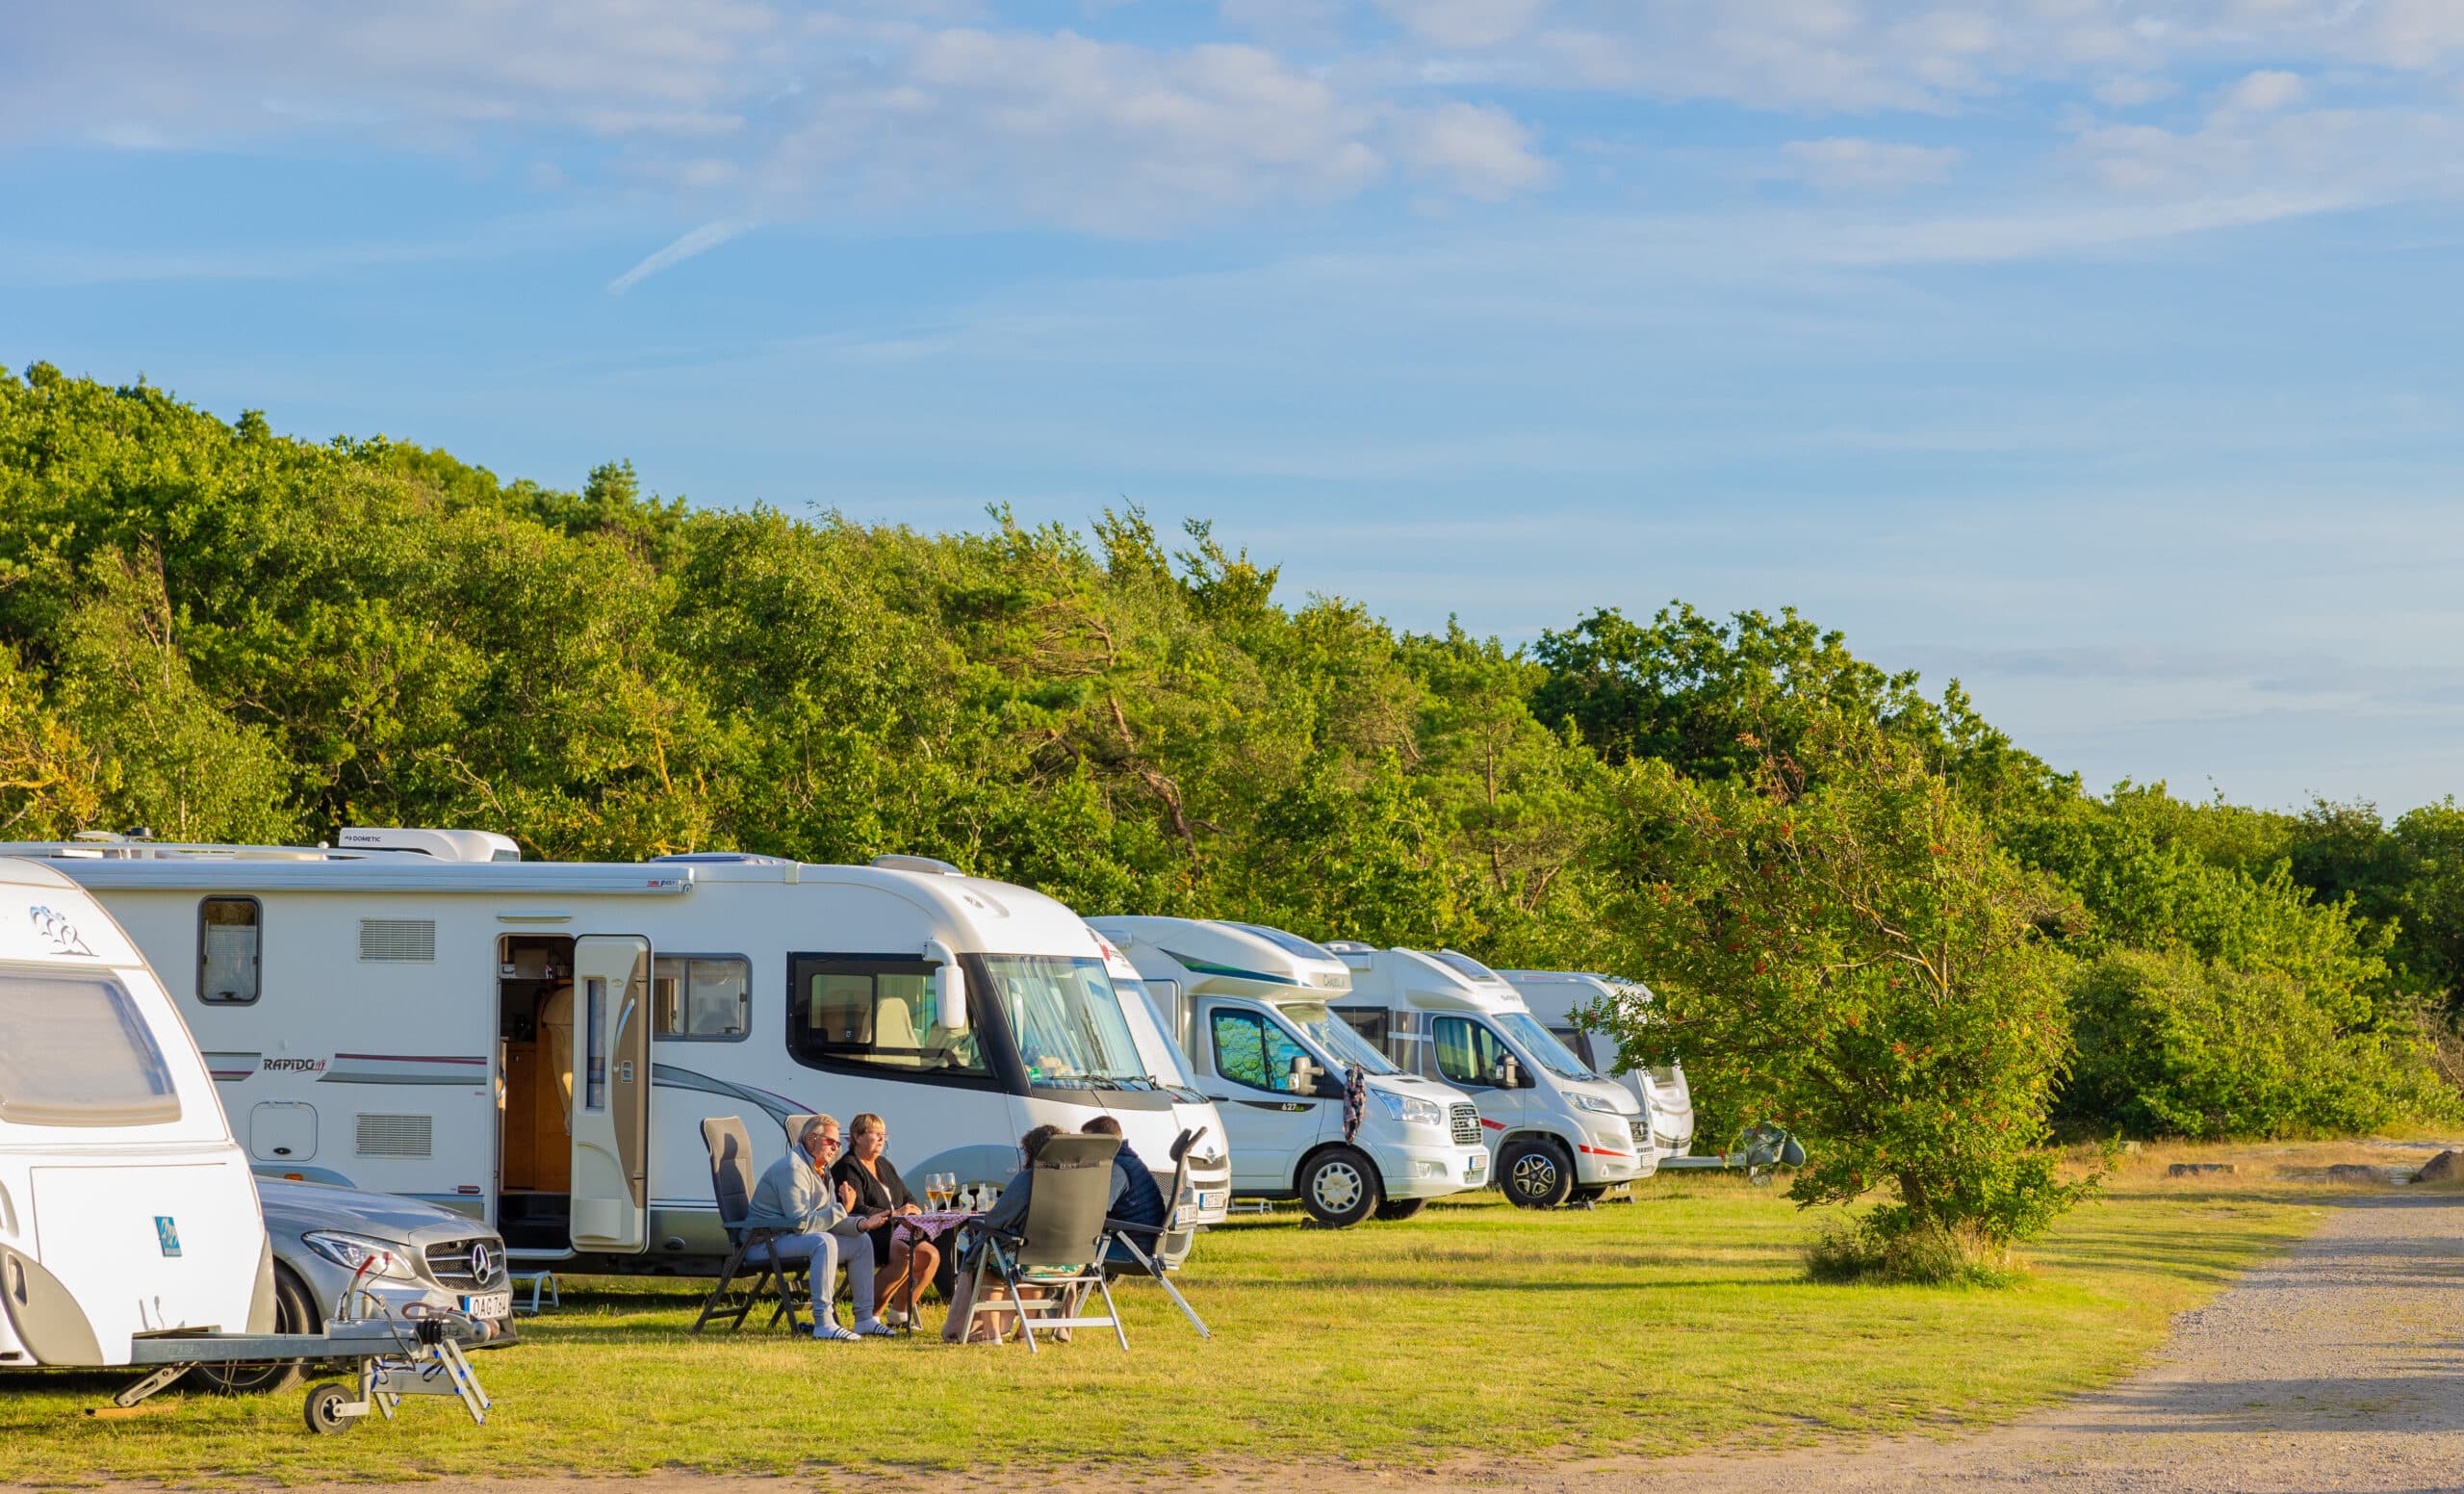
(219, 632)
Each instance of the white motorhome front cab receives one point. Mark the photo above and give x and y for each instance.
(125, 1207)
(1555, 997)
(1249, 1006)
(537, 1044)
(1559, 1133)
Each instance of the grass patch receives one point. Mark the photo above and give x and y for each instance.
(1682, 1320)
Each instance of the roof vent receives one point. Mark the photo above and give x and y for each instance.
(724, 859)
(924, 865)
(445, 845)
(1347, 946)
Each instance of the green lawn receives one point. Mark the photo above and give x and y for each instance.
(1677, 1321)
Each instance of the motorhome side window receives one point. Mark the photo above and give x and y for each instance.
(78, 1053)
(1467, 1052)
(702, 997)
(227, 937)
(1250, 1050)
(872, 1012)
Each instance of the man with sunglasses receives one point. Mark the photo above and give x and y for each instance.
(796, 1195)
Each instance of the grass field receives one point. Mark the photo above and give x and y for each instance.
(1678, 1321)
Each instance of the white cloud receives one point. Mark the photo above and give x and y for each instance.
(2263, 93)
(1843, 164)
(2130, 90)
(1479, 151)
(1463, 23)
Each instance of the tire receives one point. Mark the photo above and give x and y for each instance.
(1339, 1187)
(322, 1410)
(1536, 1172)
(294, 1313)
(1393, 1209)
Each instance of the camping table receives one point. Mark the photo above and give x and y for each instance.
(928, 1226)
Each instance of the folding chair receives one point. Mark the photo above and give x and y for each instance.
(732, 1187)
(1059, 1247)
(1167, 1244)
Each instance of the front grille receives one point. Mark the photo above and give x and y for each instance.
(451, 1264)
(1467, 1125)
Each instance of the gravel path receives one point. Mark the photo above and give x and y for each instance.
(2340, 1368)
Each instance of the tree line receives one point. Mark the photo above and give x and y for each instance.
(220, 632)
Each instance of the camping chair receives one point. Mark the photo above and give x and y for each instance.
(1167, 1245)
(1059, 1247)
(732, 1187)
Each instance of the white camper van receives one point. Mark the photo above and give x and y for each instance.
(420, 1012)
(125, 1207)
(1247, 1007)
(1554, 996)
(1558, 1132)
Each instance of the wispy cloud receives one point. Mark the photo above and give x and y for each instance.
(700, 240)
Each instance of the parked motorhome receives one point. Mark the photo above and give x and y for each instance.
(536, 1043)
(1246, 1006)
(1558, 1132)
(126, 1208)
(1554, 996)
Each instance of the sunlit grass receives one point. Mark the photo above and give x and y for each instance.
(1679, 1320)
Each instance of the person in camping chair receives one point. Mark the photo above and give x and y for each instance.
(796, 1194)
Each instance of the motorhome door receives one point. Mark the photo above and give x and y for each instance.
(611, 1093)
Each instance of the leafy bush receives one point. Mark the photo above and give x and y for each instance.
(1889, 1250)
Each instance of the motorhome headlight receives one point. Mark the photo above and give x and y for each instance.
(353, 1252)
(1410, 1110)
(1585, 1100)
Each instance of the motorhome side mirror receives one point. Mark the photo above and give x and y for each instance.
(1297, 1079)
(1510, 1075)
(949, 988)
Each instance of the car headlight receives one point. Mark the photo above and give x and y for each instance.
(1588, 1101)
(1409, 1110)
(351, 1252)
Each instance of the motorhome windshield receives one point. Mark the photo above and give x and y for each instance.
(1464, 964)
(1337, 1037)
(1289, 943)
(1543, 1047)
(79, 1055)
(1166, 1063)
(1067, 1020)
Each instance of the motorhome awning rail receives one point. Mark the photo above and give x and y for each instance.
(206, 873)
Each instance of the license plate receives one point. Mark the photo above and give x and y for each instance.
(1212, 1203)
(1475, 1173)
(495, 1305)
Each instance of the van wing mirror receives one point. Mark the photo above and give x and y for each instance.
(949, 987)
(1509, 1073)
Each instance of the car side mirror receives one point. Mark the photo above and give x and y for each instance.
(1510, 1075)
(949, 987)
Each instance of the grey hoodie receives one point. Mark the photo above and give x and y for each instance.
(795, 1195)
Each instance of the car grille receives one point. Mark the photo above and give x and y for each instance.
(451, 1263)
(1640, 1129)
(1467, 1125)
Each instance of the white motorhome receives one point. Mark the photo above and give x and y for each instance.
(1555, 997)
(420, 1012)
(1246, 1006)
(1558, 1132)
(126, 1209)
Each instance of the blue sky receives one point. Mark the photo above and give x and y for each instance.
(2101, 354)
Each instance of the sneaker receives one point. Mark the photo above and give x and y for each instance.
(894, 1316)
(875, 1328)
(832, 1333)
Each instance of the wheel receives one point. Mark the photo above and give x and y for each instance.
(324, 1410)
(1401, 1208)
(1339, 1187)
(294, 1313)
(1536, 1172)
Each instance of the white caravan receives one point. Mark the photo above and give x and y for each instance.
(537, 1044)
(1554, 996)
(1248, 1006)
(1559, 1133)
(125, 1207)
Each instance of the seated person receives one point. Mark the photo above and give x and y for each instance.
(1137, 1197)
(1007, 1212)
(796, 1195)
(880, 1192)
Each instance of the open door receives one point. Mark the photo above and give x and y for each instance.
(611, 1093)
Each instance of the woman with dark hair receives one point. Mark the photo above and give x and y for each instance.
(880, 1191)
(1005, 1213)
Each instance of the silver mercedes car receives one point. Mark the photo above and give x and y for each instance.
(412, 1257)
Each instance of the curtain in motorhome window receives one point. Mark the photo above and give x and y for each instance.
(227, 940)
(1250, 1050)
(703, 996)
(78, 1053)
(873, 1013)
